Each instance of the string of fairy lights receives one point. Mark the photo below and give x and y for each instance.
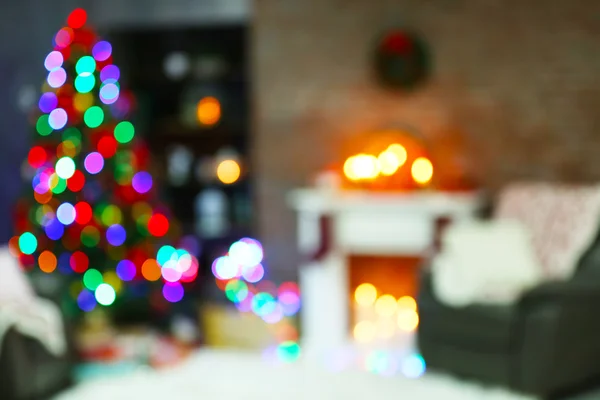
(94, 214)
(240, 274)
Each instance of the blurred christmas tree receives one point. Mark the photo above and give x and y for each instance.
(92, 214)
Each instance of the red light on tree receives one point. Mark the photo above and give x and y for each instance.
(158, 225)
(37, 156)
(77, 18)
(83, 213)
(76, 182)
(79, 262)
(26, 260)
(107, 146)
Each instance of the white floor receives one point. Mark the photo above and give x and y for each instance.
(232, 375)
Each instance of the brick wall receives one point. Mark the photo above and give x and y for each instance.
(517, 81)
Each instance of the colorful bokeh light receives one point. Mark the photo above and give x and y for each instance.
(102, 51)
(109, 93)
(28, 243)
(116, 235)
(85, 82)
(253, 274)
(76, 182)
(173, 292)
(47, 261)
(386, 305)
(48, 102)
(365, 294)
(288, 351)
(422, 170)
(92, 279)
(77, 18)
(83, 213)
(126, 270)
(142, 182)
(57, 119)
(65, 213)
(110, 73)
(37, 157)
(85, 65)
(53, 61)
(158, 225)
(151, 270)
(413, 366)
(236, 290)
(105, 294)
(107, 146)
(124, 132)
(57, 78)
(93, 117)
(208, 111)
(65, 167)
(93, 163)
(228, 171)
(79, 262)
(86, 301)
(54, 229)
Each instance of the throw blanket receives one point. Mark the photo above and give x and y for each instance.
(563, 221)
(489, 262)
(20, 308)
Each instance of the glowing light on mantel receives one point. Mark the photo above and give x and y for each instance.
(391, 159)
(422, 170)
(362, 167)
(399, 151)
(389, 163)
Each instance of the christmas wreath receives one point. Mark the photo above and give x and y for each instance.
(401, 60)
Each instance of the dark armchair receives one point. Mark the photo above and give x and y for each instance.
(546, 344)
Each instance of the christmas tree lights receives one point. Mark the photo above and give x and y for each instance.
(92, 211)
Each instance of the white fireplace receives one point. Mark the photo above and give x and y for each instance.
(334, 225)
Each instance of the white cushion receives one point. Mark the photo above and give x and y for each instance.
(490, 262)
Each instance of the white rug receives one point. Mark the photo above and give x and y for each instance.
(229, 375)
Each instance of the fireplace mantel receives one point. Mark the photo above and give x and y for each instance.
(335, 224)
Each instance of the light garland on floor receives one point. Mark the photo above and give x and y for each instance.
(240, 275)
